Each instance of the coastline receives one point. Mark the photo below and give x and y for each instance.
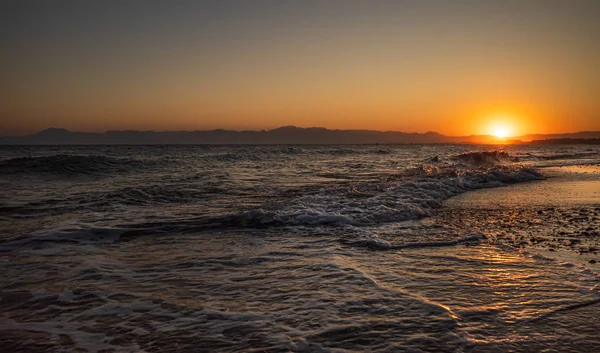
(556, 218)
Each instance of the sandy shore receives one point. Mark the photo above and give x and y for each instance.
(557, 218)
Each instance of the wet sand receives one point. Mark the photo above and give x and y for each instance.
(558, 218)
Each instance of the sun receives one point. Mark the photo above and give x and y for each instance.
(501, 132)
(501, 127)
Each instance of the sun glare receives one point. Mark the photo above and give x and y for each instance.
(501, 132)
(501, 127)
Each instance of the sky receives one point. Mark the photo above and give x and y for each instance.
(458, 67)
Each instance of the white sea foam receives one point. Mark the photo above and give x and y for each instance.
(379, 203)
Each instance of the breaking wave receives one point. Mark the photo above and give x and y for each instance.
(187, 207)
(485, 158)
(398, 201)
(374, 204)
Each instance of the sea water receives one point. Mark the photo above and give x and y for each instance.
(280, 248)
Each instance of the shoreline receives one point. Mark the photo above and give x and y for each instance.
(556, 218)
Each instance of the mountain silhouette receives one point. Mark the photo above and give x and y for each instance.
(281, 135)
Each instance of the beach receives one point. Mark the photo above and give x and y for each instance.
(557, 218)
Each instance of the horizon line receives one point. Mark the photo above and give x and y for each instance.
(294, 127)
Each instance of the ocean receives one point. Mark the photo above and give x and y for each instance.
(378, 248)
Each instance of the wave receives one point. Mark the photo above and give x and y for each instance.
(54, 239)
(64, 164)
(401, 201)
(132, 196)
(159, 194)
(485, 158)
(350, 205)
(338, 207)
(353, 211)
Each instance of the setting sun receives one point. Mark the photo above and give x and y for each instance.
(502, 126)
(501, 131)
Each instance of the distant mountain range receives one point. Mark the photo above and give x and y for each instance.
(282, 135)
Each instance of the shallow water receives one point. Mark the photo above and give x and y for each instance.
(280, 248)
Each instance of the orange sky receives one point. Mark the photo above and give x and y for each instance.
(458, 68)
